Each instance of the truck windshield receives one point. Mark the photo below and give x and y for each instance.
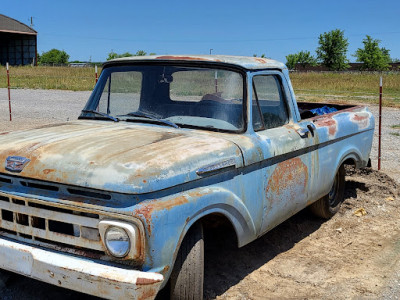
(183, 96)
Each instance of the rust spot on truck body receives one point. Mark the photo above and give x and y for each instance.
(289, 177)
(260, 60)
(330, 123)
(146, 281)
(148, 209)
(172, 57)
(47, 171)
(362, 119)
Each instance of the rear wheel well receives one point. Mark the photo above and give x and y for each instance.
(350, 161)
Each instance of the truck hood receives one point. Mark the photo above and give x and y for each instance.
(119, 157)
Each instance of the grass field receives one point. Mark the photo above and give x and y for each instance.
(312, 86)
(59, 78)
(347, 87)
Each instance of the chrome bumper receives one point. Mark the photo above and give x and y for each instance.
(79, 274)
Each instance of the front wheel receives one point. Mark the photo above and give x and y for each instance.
(186, 280)
(329, 205)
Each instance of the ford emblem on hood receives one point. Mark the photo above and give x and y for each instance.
(16, 163)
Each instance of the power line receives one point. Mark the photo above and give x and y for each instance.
(207, 41)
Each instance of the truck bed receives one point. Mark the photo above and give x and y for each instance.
(306, 107)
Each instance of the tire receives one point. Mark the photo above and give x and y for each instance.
(187, 276)
(329, 205)
(5, 277)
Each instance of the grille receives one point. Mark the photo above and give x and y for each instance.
(39, 222)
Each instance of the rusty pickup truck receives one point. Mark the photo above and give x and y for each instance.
(114, 203)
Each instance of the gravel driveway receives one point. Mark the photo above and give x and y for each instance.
(31, 108)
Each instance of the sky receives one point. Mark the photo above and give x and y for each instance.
(88, 30)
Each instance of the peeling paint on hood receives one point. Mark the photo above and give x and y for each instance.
(119, 157)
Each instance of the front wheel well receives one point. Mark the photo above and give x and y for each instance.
(217, 231)
(216, 225)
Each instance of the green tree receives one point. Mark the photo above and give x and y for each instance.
(262, 55)
(372, 56)
(291, 61)
(304, 58)
(140, 53)
(113, 54)
(332, 50)
(54, 56)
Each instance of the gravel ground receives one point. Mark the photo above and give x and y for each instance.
(390, 153)
(344, 258)
(31, 108)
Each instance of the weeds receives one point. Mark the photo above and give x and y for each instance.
(397, 126)
(395, 133)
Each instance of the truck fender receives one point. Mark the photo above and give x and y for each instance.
(168, 219)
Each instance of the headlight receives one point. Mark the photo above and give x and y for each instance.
(117, 241)
(122, 239)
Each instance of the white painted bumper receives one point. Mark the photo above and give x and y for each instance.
(79, 274)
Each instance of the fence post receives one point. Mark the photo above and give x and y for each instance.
(95, 71)
(9, 95)
(380, 123)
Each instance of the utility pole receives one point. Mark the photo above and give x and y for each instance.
(211, 50)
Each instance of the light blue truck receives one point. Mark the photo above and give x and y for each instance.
(114, 204)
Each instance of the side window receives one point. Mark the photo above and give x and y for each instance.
(267, 91)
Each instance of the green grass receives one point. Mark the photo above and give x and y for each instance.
(327, 87)
(355, 87)
(61, 78)
(397, 126)
(395, 133)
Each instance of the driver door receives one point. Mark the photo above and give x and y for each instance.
(288, 164)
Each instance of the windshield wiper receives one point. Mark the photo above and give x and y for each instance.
(151, 117)
(101, 114)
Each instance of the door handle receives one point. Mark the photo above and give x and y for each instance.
(303, 132)
(312, 128)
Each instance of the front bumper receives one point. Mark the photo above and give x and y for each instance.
(79, 274)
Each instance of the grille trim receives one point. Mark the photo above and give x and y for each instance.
(53, 215)
(52, 236)
(49, 214)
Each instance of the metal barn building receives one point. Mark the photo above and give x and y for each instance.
(18, 42)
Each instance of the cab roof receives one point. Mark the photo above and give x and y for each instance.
(250, 63)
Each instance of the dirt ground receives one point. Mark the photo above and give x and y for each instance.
(348, 257)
